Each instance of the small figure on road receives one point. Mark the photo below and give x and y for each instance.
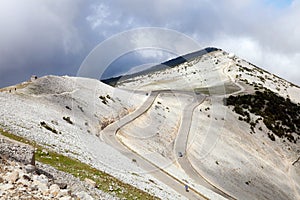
(186, 188)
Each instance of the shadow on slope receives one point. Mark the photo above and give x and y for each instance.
(165, 65)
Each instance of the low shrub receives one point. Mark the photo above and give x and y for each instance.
(67, 119)
(280, 115)
(49, 128)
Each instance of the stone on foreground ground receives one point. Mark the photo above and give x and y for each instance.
(19, 179)
(43, 183)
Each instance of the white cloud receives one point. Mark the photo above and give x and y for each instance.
(99, 17)
(153, 54)
(277, 62)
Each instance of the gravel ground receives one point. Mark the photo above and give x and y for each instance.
(19, 181)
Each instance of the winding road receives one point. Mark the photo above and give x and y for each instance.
(109, 136)
(180, 144)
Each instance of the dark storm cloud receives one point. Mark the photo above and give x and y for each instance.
(53, 37)
(40, 37)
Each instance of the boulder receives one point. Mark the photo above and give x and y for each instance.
(30, 168)
(61, 185)
(84, 196)
(90, 182)
(17, 151)
(64, 192)
(13, 177)
(54, 190)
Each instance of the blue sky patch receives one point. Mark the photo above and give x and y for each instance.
(279, 3)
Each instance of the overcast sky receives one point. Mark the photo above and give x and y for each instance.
(54, 36)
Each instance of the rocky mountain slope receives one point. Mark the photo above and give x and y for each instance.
(209, 120)
(244, 138)
(66, 114)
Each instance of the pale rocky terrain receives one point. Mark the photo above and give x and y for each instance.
(23, 178)
(221, 148)
(76, 110)
(17, 182)
(222, 151)
(158, 127)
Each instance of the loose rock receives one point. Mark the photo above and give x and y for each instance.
(54, 190)
(17, 183)
(12, 177)
(90, 182)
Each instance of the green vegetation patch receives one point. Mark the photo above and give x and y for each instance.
(68, 119)
(280, 115)
(49, 128)
(104, 181)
